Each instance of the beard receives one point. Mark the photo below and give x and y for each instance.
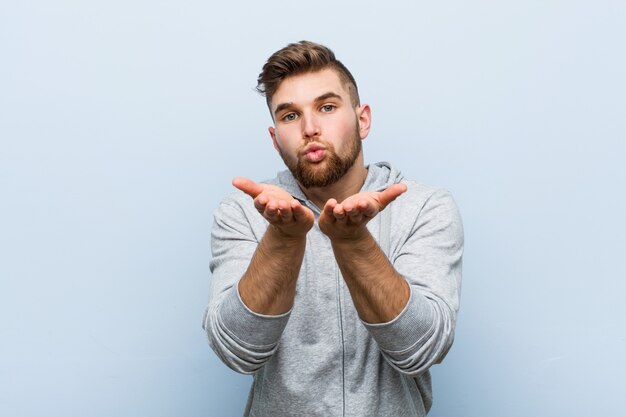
(330, 170)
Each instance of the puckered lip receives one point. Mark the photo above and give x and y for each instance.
(312, 148)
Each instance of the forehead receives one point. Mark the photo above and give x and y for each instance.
(305, 88)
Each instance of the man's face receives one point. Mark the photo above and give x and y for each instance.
(317, 131)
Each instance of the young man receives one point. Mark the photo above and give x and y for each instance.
(335, 284)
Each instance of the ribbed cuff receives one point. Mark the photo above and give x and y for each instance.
(410, 326)
(251, 328)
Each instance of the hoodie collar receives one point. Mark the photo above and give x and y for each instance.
(379, 176)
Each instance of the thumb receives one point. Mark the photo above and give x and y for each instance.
(248, 186)
(390, 194)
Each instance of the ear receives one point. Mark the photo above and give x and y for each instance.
(273, 136)
(364, 115)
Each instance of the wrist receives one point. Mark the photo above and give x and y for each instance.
(359, 239)
(286, 237)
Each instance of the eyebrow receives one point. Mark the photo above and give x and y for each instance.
(282, 106)
(328, 95)
(325, 96)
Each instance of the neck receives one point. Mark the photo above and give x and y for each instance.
(350, 184)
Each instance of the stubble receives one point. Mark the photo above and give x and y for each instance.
(330, 170)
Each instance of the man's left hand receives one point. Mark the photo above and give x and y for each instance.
(347, 220)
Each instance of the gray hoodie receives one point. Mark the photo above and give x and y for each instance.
(320, 359)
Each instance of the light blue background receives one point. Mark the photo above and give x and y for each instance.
(123, 122)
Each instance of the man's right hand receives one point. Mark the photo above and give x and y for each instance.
(286, 214)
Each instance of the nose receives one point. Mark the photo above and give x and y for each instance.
(310, 126)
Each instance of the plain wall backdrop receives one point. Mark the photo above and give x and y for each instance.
(122, 124)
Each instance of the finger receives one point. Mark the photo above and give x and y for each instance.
(339, 212)
(298, 211)
(339, 215)
(247, 186)
(348, 204)
(367, 208)
(348, 207)
(390, 194)
(355, 216)
(284, 210)
(260, 203)
(327, 211)
(329, 207)
(271, 211)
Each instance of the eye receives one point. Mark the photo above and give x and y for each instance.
(289, 117)
(327, 108)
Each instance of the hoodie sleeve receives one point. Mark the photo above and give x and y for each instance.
(430, 259)
(243, 339)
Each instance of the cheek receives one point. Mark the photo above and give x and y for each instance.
(347, 127)
(287, 138)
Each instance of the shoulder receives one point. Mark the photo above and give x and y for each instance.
(427, 208)
(234, 202)
(419, 195)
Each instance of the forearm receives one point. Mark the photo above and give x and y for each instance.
(269, 284)
(379, 293)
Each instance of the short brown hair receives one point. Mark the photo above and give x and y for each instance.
(300, 58)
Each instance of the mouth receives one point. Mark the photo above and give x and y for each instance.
(314, 153)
